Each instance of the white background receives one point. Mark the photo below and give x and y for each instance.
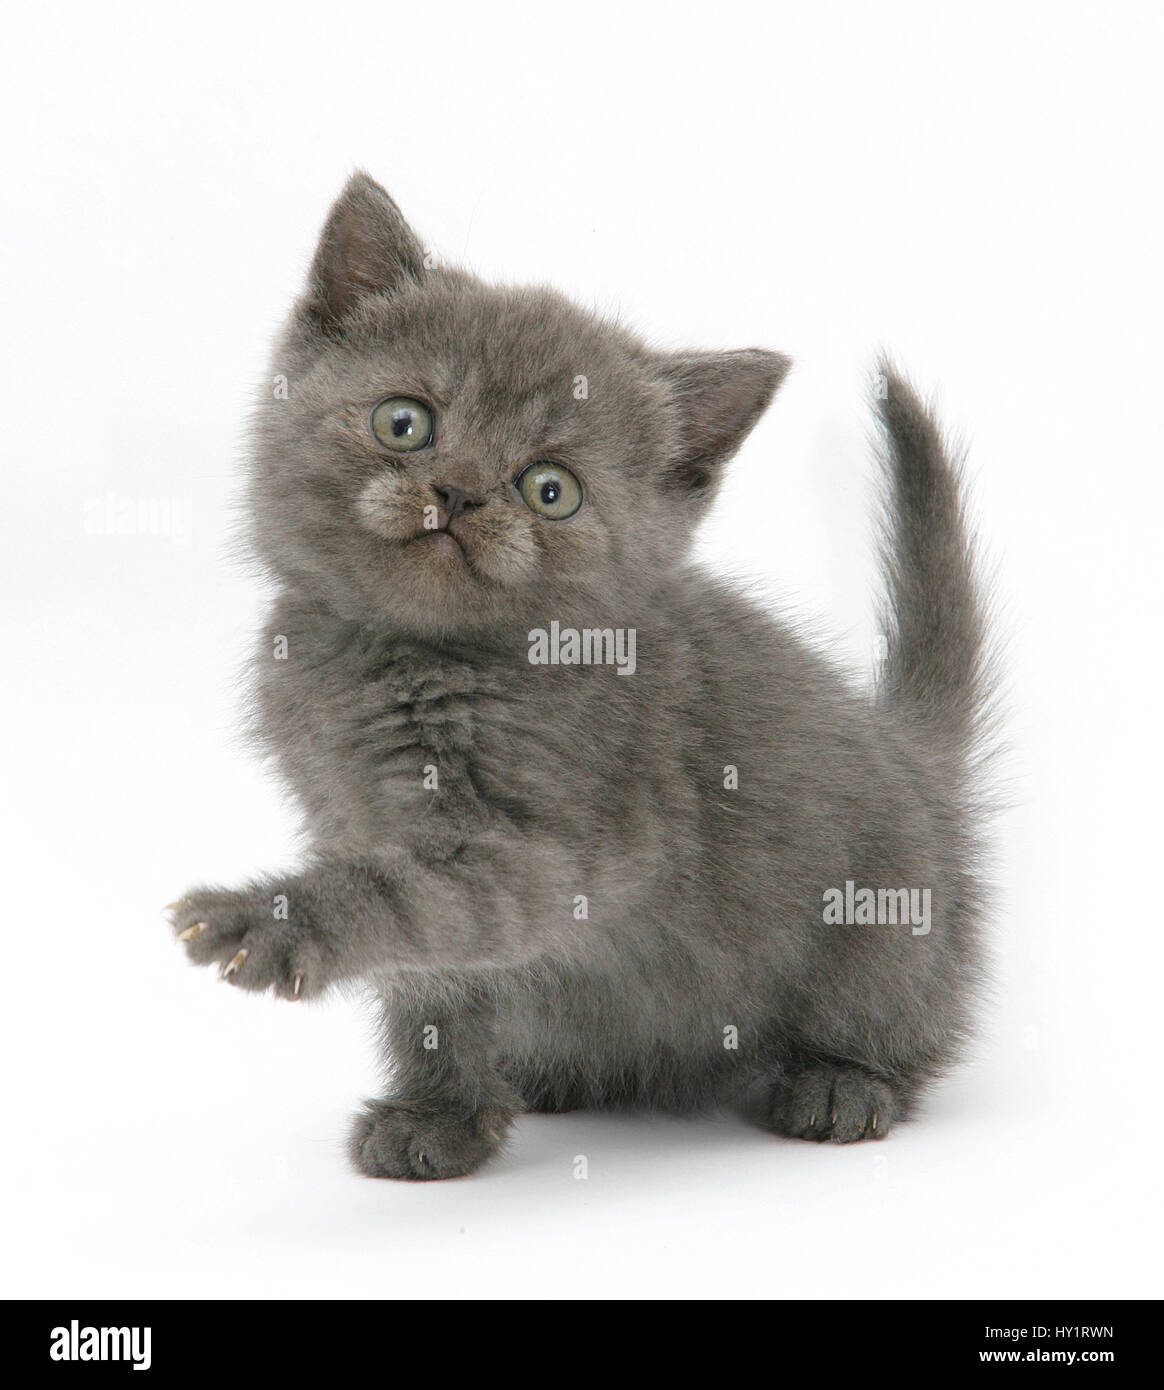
(976, 186)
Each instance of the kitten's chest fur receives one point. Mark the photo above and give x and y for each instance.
(389, 742)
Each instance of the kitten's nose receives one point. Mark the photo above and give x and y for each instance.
(454, 498)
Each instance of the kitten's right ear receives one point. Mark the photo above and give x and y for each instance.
(366, 248)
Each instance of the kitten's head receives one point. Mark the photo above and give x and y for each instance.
(447, 453)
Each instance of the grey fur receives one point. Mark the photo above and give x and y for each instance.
(457, 903)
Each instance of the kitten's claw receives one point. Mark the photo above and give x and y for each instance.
(235, 962)
(838, 1103)
(251, 950)
(173, 907)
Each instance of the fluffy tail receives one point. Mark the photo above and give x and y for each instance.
(934, 623)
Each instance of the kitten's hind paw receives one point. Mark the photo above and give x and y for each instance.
(422, 1141)
(840, 1104)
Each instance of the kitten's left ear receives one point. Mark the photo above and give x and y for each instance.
(366, 247)
(718, 397)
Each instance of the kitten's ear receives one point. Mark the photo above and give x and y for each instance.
(366, 247)
(718, 396)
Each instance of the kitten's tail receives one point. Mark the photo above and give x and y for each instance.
(935, 621)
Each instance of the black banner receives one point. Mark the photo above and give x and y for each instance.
(136, 1339)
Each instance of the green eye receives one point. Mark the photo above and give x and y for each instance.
(402, 424)
(550, 490)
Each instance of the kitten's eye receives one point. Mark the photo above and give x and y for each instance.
(550, 490)
(402, 424)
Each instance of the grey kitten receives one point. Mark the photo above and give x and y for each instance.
(659, 854)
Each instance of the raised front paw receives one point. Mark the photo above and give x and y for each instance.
(423, 1139)
(257, 939)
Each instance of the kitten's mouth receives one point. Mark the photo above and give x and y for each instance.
(487, 548)
(441, 542)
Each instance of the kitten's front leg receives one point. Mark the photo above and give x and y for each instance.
(500, 902)
(449, 1111)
